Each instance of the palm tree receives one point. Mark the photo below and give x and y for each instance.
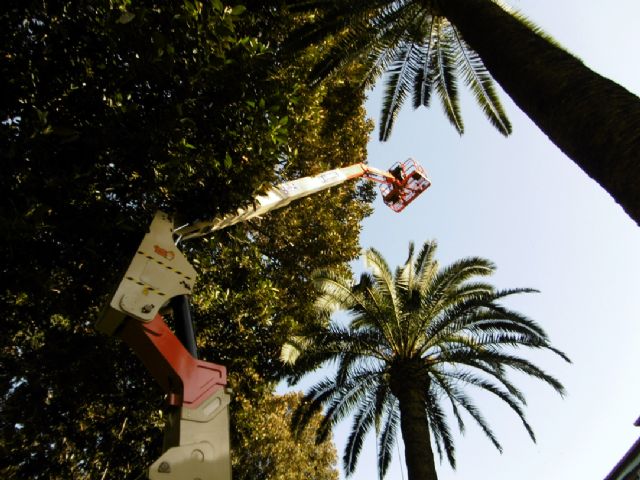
(414, 340)
(426, 44)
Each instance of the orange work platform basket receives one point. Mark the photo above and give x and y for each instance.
(409, 181)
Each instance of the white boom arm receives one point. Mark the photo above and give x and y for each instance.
(278, 197)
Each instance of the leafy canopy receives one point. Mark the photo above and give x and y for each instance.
(269, 450)
(113, 109)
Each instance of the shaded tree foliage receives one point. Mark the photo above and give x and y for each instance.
(271, 451)
(111, 110)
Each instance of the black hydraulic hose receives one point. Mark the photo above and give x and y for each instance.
(184, 324)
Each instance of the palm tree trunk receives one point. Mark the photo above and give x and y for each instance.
(415, 434)
(593, 120)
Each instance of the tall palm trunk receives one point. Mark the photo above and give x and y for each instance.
(593, 120)
(415, 434)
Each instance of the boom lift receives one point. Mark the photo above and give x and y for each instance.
(196, 444)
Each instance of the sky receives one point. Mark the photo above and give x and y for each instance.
(523, 204)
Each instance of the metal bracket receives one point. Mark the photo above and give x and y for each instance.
(202, 451)
(157, 273)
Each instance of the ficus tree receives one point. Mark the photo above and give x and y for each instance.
(110, 111)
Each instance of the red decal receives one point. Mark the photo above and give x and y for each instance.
(168, 254)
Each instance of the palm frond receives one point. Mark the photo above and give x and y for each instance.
(332, 344)
(380, 271)
(525, 366)
(454, 310)
(390, 32)
(400, 78)
(470, 291)
(440, 428)
(457, 396)
(442, 288)
(404, 274)
(312, 403)
(349, 396)
(466, 268)
(478, 313)
(426, 265)
(291, 350)
(353, 46)
(387, 437)
(441, 304)
(423, 82)
(356, 30)
(480, 82)
(368, 413)
(497, 372)
(456, 414)
(499, 312)
(338, 398)
(373, 34)
(384, 281)
(458, 272)
(336, 291)
(507, 398)
(362, 422)
(377, 62)
(446, 84)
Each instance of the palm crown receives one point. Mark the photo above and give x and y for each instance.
(414, 339)
(418, 48)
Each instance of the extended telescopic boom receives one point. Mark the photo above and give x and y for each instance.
(399, 186)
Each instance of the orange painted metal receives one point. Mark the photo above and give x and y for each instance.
(186, 381)
(408, 181)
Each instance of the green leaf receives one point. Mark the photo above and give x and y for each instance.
(217, 5)
(238, 10)
(126, 17)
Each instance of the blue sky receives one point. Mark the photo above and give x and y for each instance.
(521, 203)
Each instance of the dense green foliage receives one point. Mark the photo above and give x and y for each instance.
(271, 451)
(110, 110)
(415, 338)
